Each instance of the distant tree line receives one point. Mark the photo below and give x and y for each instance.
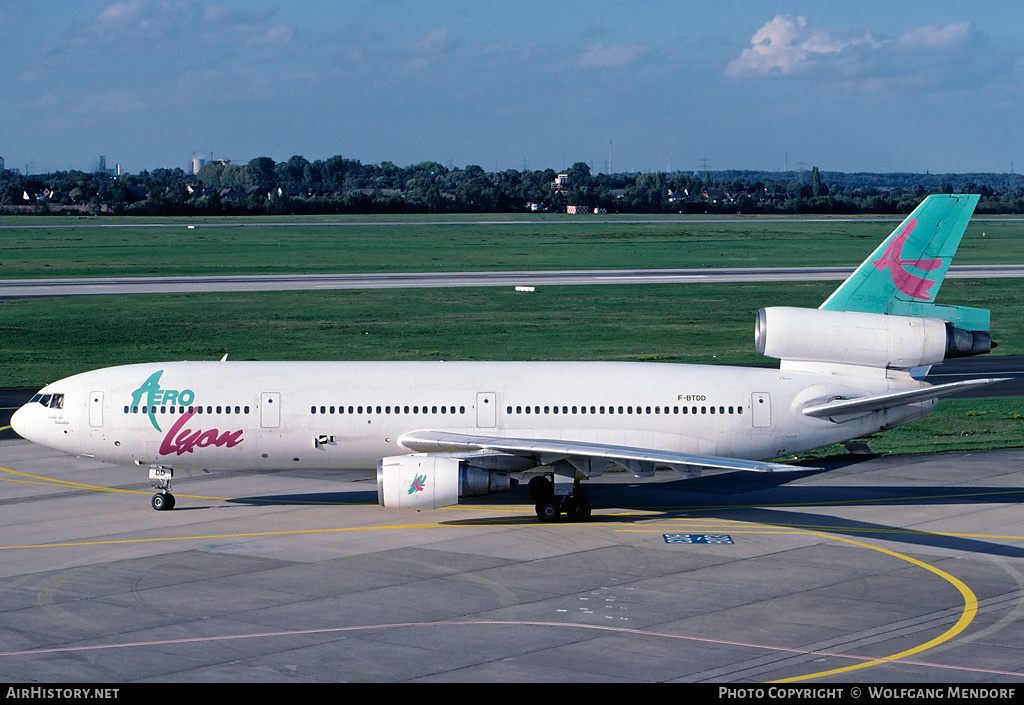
(341, 185)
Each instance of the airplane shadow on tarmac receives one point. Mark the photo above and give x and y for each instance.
(766, 499)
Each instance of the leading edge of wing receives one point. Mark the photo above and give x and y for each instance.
(444, 442)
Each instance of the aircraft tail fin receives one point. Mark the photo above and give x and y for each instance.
(904, 274)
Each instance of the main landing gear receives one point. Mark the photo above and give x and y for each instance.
(163, 500)
(551, 506)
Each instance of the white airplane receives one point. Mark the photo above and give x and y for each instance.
(440, 430)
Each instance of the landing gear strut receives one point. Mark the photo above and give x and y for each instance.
(550, 506)
(163, 500)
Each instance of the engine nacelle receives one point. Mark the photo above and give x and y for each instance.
(430, 482)
(868, 339)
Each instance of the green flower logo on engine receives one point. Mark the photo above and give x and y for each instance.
(418, 484)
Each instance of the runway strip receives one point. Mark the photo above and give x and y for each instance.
(32, 288)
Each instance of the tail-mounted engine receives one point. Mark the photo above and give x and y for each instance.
(868, 339)
(429, 482)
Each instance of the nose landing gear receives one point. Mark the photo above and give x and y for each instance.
(163, 500)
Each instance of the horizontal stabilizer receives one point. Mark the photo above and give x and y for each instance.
(546, 451)
(863, 405)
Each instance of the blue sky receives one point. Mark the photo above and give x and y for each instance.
(858, 86)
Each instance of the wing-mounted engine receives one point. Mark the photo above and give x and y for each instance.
(431, 482)
(865, 339)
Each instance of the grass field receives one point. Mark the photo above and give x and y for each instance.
(45, 339)
(54, 247)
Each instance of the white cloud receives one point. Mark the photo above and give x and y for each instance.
(120, 13)
(788, 45)
(598, 56)
(279, 34)
(432, 43)
(934, 36)
(426, 49)
(791, 46)
(184, 23)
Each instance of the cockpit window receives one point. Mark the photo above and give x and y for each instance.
(52, 401)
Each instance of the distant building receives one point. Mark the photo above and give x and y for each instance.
(1, 163)
(101, 166)
(717, 196)
(561, 182)
(197, 164)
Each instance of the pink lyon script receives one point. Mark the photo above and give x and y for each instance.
(182, 440)
(909, 284)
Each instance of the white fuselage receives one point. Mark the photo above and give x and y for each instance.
(349, 415)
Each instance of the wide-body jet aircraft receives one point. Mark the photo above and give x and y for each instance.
(438, 431)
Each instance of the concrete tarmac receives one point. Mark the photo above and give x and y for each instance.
(905, 569)
(95, 286)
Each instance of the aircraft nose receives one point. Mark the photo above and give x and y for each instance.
(20, 422)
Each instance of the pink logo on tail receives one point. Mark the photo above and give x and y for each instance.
(909, 284)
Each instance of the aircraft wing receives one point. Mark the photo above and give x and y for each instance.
(639, 461)
(864, 405)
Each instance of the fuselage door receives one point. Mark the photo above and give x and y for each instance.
(96, 409)
(270, 409)
(486, 410)
(761, 409)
